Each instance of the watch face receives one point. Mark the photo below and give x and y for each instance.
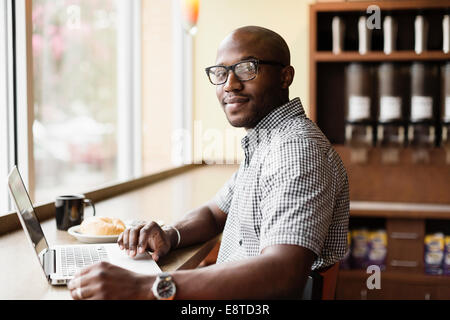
(166, 289)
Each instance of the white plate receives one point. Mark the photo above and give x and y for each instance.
(88, 238)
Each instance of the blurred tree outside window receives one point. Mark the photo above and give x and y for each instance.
(75, 95)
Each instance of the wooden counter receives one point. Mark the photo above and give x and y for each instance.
(21, 276)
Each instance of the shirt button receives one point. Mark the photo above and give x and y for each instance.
(240, 242)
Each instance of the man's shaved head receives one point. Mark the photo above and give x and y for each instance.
(271, 42)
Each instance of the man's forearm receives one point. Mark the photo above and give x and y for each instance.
(197, 226)
(267, 276)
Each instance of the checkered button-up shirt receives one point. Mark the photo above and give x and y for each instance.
(292, 188)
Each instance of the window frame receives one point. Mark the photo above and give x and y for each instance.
(16, 118)
(129, 62)
(7, 100)
(24, 103)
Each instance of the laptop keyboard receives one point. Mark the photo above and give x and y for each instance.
(76, 258)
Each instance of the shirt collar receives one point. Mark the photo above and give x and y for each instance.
(271, 121)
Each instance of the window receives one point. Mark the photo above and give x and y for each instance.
(75, 101)
(95, 113)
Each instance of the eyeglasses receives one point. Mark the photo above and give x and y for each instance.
(243, 70)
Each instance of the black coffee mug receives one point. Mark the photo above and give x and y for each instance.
(70, 210)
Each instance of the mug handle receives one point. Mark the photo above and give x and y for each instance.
(89, 202)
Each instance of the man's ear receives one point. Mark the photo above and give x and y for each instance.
(287, 76)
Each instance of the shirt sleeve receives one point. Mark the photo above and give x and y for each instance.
(224, 197)
(297, 202)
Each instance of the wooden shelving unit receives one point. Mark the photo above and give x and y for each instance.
(401, 277)
(404, 182)
(380, 56)
(406, 198)
(319, 56)
(384, 5)
(396, 210)
(394, 285)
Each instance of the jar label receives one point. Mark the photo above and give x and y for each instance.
(447, 109)
(421, 108)
(390, 108)
(359, 108)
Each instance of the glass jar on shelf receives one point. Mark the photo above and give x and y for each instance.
(422, 120)
(391, 120)
(359, 133)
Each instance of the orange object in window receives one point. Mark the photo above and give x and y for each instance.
(190, 9)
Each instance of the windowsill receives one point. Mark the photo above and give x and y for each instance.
(10, 222)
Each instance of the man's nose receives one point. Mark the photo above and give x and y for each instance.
(233, 83)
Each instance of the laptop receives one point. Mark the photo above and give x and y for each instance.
(61, 262)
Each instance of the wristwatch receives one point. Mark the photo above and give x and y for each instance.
(164, 287)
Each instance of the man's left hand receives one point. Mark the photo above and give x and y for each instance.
(105, 281)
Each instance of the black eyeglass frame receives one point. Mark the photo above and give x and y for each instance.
(232, 67)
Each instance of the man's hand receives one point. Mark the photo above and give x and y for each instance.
(145, 236)
(104, 281)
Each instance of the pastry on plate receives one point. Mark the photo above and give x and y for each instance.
(102, 226)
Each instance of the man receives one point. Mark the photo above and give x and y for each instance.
(284, 212)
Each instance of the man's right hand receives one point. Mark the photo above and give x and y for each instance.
(143, 237)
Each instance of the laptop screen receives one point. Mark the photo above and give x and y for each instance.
(26, 213)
